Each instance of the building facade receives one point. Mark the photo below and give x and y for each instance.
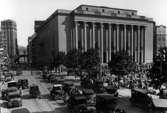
(160, 37)
(9, 31)
(107, 29)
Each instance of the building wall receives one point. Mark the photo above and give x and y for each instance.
(9, 30)
(59, 31)
(160, 37)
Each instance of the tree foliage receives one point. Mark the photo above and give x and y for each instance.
(73, 58)
(121, 63)
(59, 59)
(90, 59)
(158, 69)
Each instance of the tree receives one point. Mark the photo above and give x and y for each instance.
(158, 70)
(73, 58)
(90, 59)
(121, 63)
(59, 59)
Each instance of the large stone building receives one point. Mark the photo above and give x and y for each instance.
(160, 37)
(108, 29)
(9, 31)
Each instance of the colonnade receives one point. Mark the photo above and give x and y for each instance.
(109, 38)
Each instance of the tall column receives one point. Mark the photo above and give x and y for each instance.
(71, 39)
(125, 37)
(132, 44)
(118, 37)
(82, 38)
(76, 35)
(93, 34)
(85, 36)
(109, 42)
(90, 38)
(122, 39)
(115, 39)
(101, 47)
(141, 46)
(138, 44)
(144, 30)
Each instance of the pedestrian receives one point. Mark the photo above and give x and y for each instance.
(12, 77)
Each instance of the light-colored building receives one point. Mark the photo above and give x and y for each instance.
(9, 31)
(160, 37)
(108, 29)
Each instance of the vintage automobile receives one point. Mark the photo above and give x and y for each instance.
(67, 85)
(140, 97)
(91, 96)
(57, 92)
(78, 104)
(9, 90)
(163, 94)
(12, 84)
(105, 102)
(23, 83)
(98, 86)
(14, 100)
(34, 91)
(112, 90)
(159, 106)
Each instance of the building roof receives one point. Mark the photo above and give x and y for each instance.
(107, 7)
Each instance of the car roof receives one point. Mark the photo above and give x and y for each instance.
(22, 110)
(106, 96)
(140, 90)
(160, 103)
(57, 85)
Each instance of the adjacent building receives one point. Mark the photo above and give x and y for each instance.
(107, 29)
(9, 40)
(160, 37)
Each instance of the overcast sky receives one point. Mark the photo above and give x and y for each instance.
(24, 12)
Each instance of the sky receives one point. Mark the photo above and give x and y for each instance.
(25, 12)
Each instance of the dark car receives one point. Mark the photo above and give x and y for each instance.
(23, 83)
(78, 104)
(57, 92)
(22, 110)
(9, 90)
(34, 91)
(105, 102)
(112, 90)
(141, 98)
(14, 99)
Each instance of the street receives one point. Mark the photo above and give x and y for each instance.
(45, 105)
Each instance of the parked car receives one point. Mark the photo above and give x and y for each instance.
(78, 104)
(14, 99)
(34, 91)
(57, 92)
(9, 90)
(105, 102)
(112, 90)
(23, 83)
(12, 84)
(141, 98)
